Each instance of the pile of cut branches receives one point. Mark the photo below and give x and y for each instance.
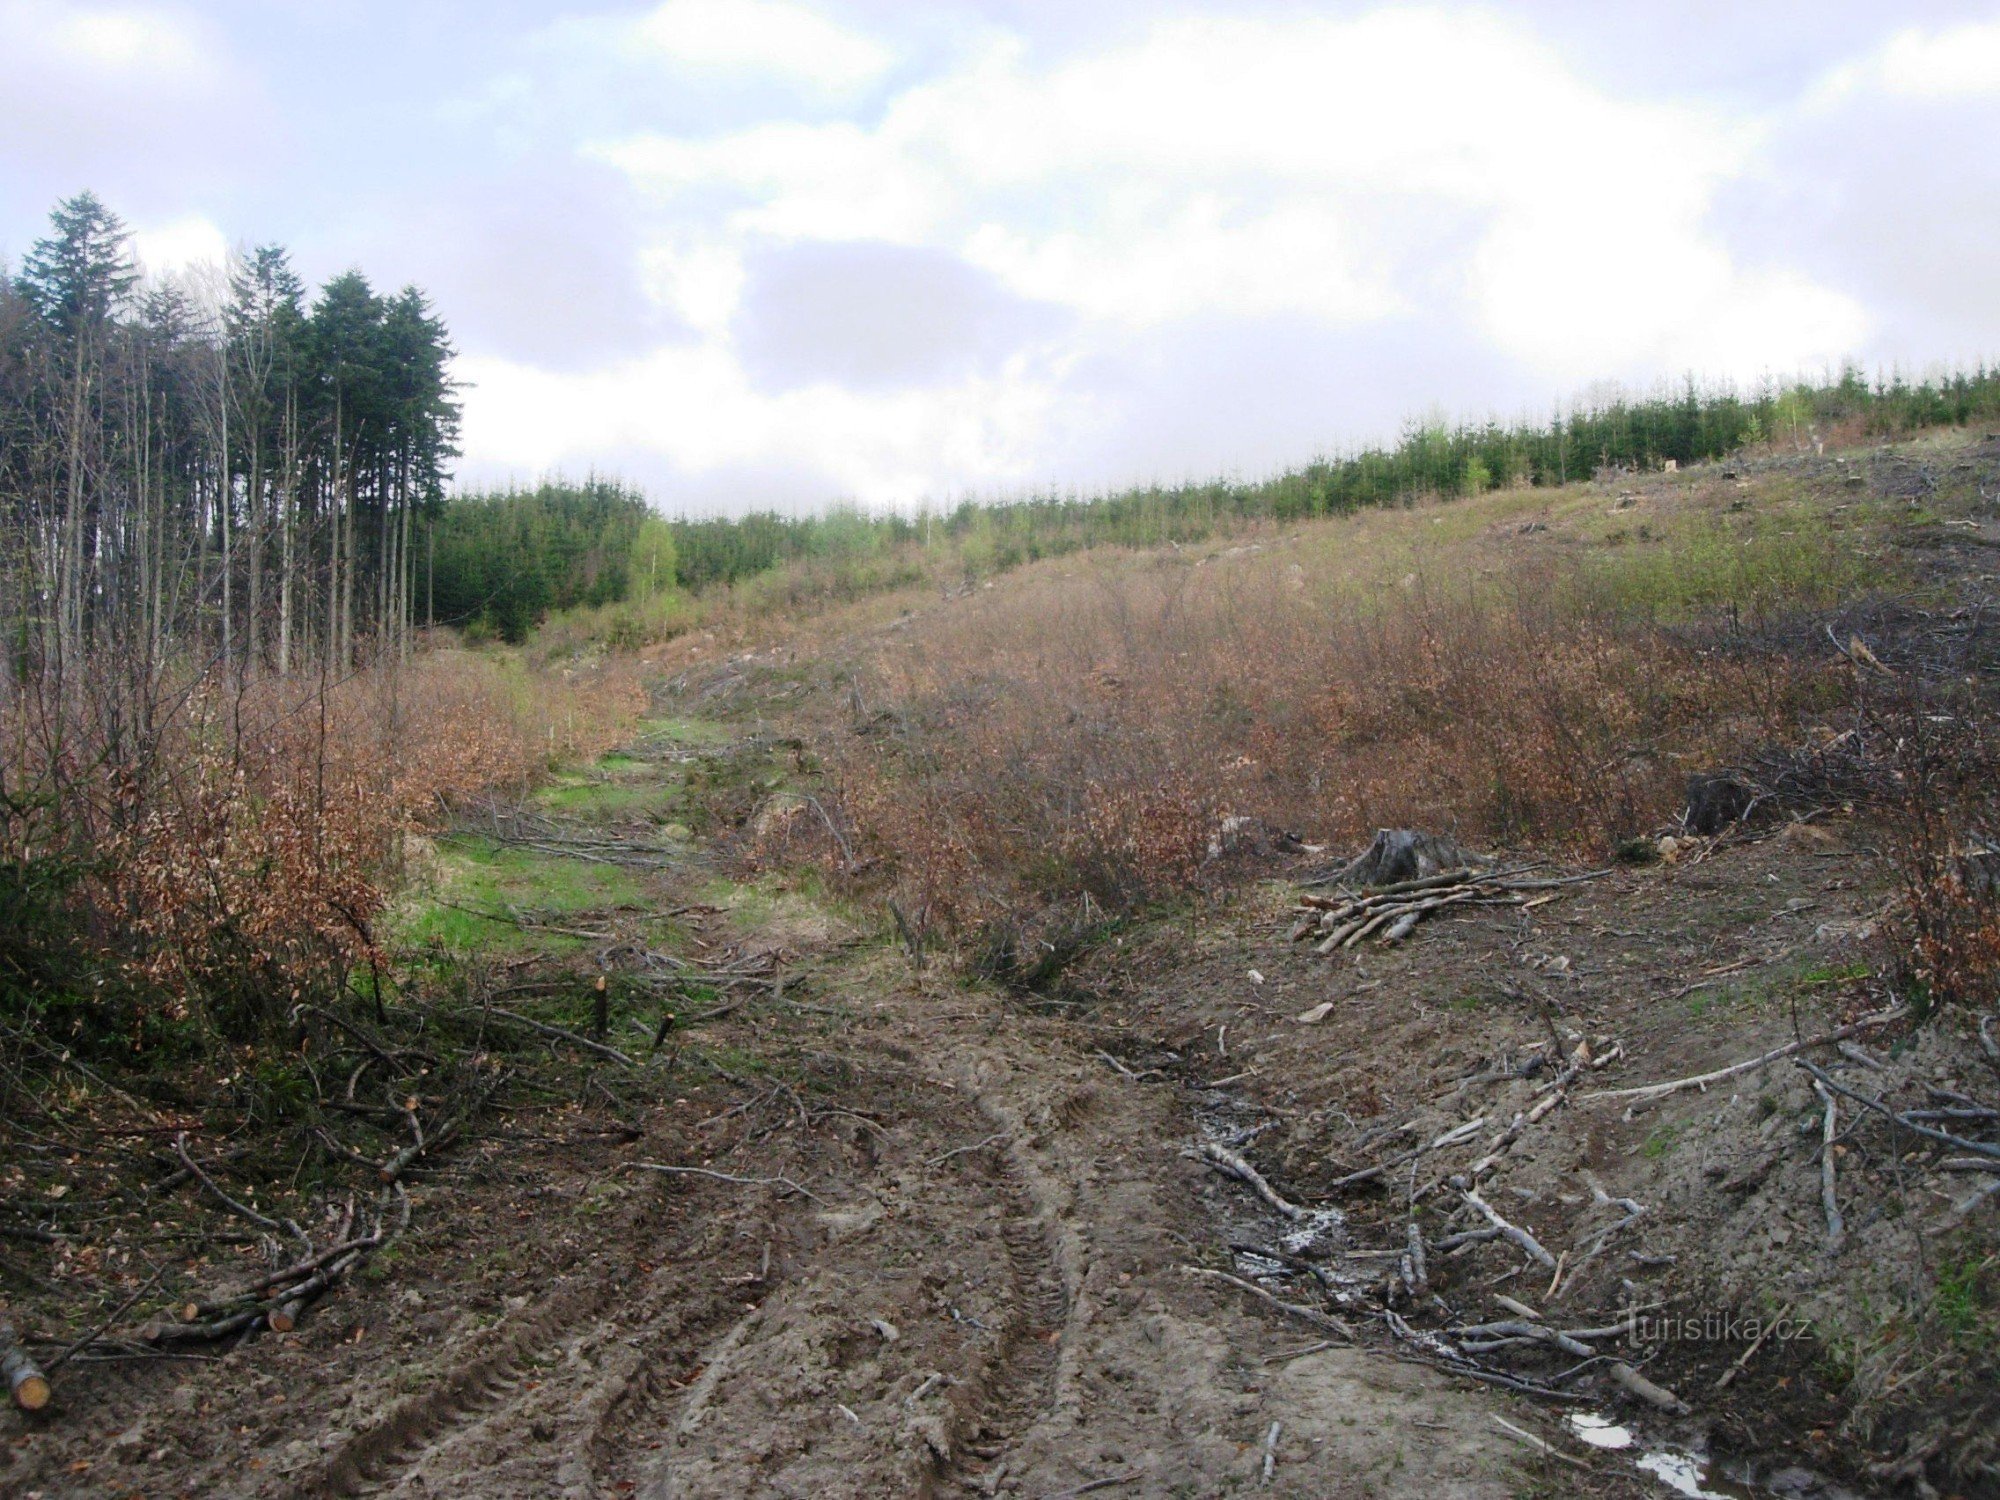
(1390, 913)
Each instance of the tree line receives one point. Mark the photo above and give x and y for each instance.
(515, 556)
(213, 469)
(503, 559)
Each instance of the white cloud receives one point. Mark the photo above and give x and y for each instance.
(1962, 60)
(187, 243)
(118, 42)
(1433, 166)
(1236, 167)
(696, 404)
(1957, 63)
(700, 284)
(757, 38)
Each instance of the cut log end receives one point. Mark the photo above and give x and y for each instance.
(25, 1381)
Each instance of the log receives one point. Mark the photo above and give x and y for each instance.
(1653, 1395)
(25, 1382)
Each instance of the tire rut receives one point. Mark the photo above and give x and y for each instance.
(385, 1452)
(1019, 1385)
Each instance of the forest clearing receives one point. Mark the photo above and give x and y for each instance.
(726, 1097)
(822, 749)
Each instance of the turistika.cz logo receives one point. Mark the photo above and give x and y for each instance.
(1715, 1327)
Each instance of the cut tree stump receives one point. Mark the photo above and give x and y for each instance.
(1400, 854)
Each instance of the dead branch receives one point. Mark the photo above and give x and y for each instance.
(1450, 1138)
(1513, 1232)
(1226, 1161)
(1653, 1395)
(1415, 1265)
(610, 1053)
(780, 1182)
(1547, 1450)
(1316, 1318)
(1836, 1230)
(118, 1312)
(1749, 1065)
(241, 1210)
(1979, 1148)
(1723, 1381)
(976, 1146)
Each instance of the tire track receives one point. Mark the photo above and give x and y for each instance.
(1019, 1384)
(389, 1449)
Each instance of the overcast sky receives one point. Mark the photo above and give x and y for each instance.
(776, 252)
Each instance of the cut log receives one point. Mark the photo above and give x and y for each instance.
(25, 1381)
(285, 1316)
(1653, 1395)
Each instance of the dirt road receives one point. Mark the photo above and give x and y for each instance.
(857, 1228)
(960, 1267)
(978, 1288)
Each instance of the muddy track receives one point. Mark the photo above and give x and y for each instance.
(1018, 1384)
(485, 1404)
(982, 1291)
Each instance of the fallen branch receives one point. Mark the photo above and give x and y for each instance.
(991, 1140)
(118, 1312)
(1723, 1381)
(1318, 1319)
(611, 1053)
(1836, 1230)
(1749, 1065)
(241, 1211)
(1513, 1232)
(1979, 1148)
(780, 1182)
(1653, 1395)
(1547, 1450)
(1450, 1138)
(1227, 1161)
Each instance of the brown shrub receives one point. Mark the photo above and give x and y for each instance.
(232, 859)
(1084, 731)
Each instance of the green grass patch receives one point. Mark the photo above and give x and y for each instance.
(628, 801)
(482, 884)
(1961, 1300)
(677, 730)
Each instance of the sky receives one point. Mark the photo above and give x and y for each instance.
(780, 253)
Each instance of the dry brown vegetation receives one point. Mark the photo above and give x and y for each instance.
(232, 859)
(1085, 731)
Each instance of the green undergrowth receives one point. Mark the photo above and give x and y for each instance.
(485, 898)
